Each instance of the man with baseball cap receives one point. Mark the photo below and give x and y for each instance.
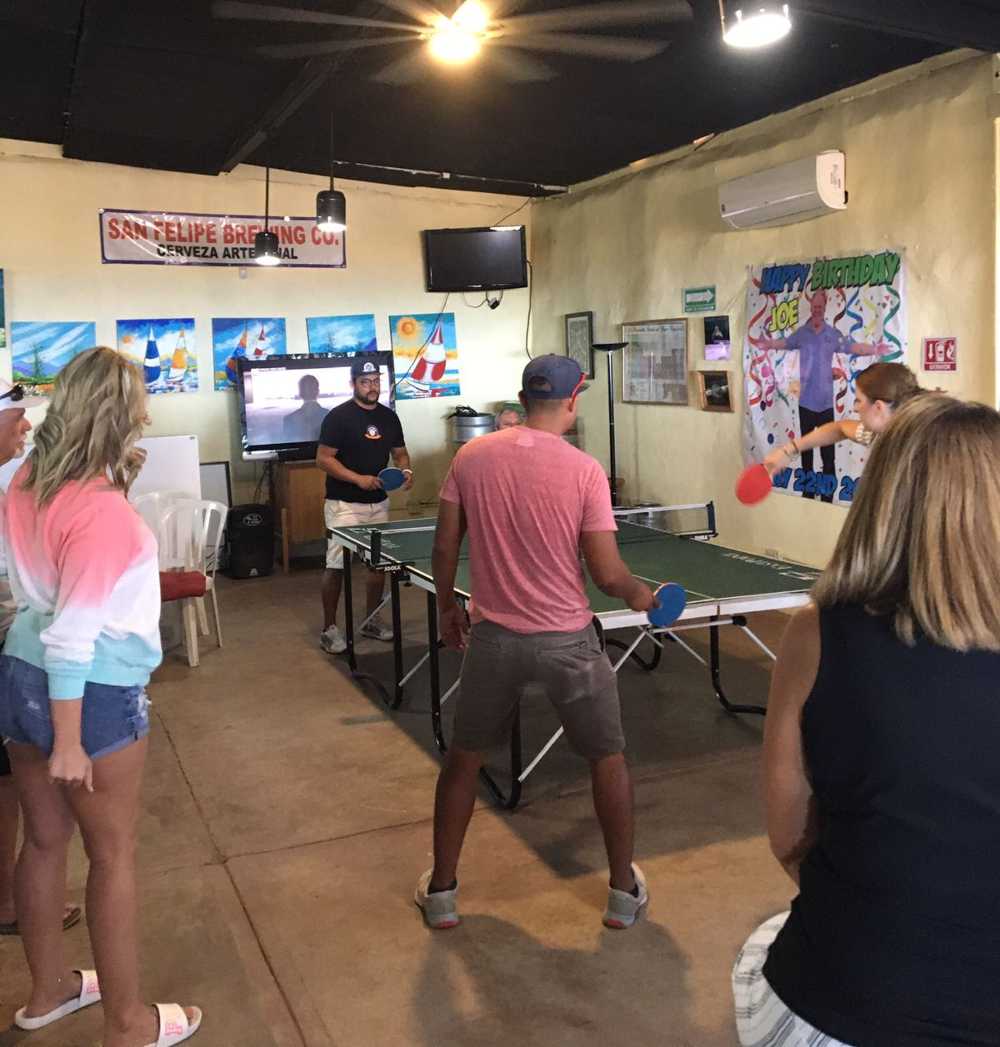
(355, 442)
(529, 503)
(14, 428)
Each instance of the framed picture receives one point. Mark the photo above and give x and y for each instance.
(580, 340)
(714, 389)
(717, 344)
(654, 363)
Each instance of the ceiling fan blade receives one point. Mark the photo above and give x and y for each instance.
(318, 48)
(512, 66)
(623, 12)
(405, 70)
(428, 14)
(616, 48)
(236, 9)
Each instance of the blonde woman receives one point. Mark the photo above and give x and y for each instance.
(880, 760)
(73, 704)
(881, 388)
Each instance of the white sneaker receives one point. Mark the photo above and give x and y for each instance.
(376, 629)
(440, 909)
(332, 641)
(624, 908)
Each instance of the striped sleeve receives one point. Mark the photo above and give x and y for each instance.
(98, 546)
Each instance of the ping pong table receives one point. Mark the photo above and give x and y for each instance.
(723, 587)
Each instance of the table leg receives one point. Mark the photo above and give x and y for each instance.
(716, 670)
(352, 660)
(397, 642)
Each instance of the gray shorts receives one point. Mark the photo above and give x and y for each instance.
(573, 669)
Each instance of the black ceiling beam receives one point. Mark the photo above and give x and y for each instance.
(955, 24)
(72, 85)
(314, 74)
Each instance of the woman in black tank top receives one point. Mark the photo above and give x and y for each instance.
(882, 761)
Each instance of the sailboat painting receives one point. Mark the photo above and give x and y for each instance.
(244, 337)
(165, 349)
(425, 349)
(41, 349)
(342, 334)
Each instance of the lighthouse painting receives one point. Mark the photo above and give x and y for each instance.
(235, 338)
(165, 349)
(425, 348)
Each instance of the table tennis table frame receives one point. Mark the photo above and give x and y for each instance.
(709, 614)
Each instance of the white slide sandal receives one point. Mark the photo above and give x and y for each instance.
(90, 993)
(174, 1024)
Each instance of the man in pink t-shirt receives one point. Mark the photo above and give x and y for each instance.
(529, 503)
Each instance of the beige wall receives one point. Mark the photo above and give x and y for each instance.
(50, 254)
(921, 174)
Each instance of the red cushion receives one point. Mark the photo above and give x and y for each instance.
(181, 585)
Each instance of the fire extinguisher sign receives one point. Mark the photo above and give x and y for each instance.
(940, 354)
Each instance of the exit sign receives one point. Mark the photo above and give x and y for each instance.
(699, 299)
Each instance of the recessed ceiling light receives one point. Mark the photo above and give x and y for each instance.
(754, 23)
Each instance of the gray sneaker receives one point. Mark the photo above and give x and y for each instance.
(440, 909)
(625, 908)
(332, 641)
(376, 629)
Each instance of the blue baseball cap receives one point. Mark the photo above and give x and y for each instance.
(363, 364)
(552, 377)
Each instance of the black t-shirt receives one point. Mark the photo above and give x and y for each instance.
(362, 440)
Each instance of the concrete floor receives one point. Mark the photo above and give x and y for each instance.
(287, 817)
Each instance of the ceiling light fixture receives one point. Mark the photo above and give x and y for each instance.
(331, 204)
(472, 17)
(459, 39)
(753, 23)
(265, 244)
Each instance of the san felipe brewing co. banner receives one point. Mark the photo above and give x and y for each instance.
(161, 238)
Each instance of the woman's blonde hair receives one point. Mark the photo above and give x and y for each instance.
(922, 540)
(893, 384)
(96, 415)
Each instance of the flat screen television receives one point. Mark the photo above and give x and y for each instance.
(493, 258)
(284, 399)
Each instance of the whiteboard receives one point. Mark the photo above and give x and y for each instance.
(171, 465)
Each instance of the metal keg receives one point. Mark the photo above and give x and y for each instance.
(467, 424)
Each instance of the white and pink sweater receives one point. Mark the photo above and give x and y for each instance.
(83, 571)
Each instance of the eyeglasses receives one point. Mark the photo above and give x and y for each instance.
(14, 393)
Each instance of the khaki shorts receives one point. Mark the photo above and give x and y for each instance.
(349, 514)
(576, 675)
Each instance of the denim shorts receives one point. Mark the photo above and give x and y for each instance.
(113, 717)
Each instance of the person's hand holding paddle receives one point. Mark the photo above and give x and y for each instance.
(453, 626)
(754, 484)
(367, 483)
(641, 598)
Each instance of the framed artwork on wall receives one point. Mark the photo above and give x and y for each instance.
(580, 340)
(715, 390)
(654, 363)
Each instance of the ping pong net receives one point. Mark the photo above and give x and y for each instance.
(651, 523)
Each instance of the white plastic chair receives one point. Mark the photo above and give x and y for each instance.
(191, 533)
(153, 505)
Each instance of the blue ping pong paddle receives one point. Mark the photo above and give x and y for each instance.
(671, 600)
(392, 478)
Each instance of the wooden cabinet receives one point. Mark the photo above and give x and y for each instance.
(299, 493)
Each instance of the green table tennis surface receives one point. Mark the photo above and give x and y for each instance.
(708, 572)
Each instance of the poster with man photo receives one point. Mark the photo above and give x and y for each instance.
(813, 327)
(717, 344)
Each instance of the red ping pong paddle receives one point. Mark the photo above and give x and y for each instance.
(754, 484)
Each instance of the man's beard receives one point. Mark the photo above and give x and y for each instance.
(367, 398)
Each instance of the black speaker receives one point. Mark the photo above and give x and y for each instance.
(250, 541)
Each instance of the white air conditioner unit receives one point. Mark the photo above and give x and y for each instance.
(793, 192)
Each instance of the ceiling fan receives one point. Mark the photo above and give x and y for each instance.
(488, 32)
